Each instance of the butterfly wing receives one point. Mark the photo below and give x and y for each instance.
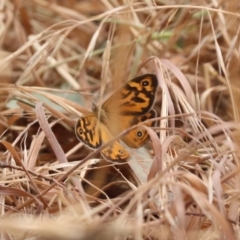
(93, 133)
(129, 106)
(88, 131)
(114, 151)
(139, 135)
(136, 97)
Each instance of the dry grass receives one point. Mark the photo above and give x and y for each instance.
(57, 58)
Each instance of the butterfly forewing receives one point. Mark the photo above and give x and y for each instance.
(136, 97)
(88, 131)
(126, 106)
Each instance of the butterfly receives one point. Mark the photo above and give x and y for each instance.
(128, 106)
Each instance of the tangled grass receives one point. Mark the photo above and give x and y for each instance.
(58, 58)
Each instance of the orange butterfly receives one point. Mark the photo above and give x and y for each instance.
(128, 106)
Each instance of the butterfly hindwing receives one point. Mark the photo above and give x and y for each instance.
(114, 151)
(139, 135)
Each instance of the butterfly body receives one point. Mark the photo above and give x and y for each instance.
(128, 106)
